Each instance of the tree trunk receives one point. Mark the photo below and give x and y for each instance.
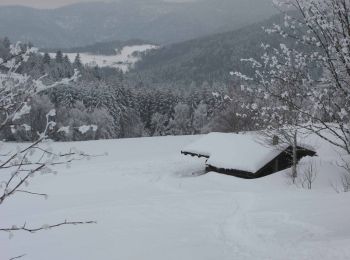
(295, 157)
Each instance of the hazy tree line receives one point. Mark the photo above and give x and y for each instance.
(119, 108)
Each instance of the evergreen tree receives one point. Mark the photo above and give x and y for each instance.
(59, 57)
(67, 67)
(6, 42)
(77, 62)
(46, 58)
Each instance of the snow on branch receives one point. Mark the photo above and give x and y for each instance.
(18, 166)
(45, 226)
(288, 79)
(241, 76)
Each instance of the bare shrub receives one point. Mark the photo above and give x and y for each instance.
(345, 177)
(309, 175)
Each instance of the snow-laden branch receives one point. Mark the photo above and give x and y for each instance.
(18, 166)
(286, 75)
(45, 226)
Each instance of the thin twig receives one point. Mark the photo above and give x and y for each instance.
(17, 257)
(33, 193)
(45, 227)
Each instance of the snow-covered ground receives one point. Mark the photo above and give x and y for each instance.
(149, 206)
(123, 60)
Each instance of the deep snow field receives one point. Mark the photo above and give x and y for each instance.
(150, 206)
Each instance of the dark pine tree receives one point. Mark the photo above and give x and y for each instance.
(77, 62)
(6, 42)
(59, 57)
(46, 58)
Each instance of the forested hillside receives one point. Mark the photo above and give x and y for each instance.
(178, 89)
(207, 59)
(119, 106)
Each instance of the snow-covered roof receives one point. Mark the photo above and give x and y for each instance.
(243, 152)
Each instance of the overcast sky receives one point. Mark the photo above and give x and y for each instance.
(42, 3)
(59, 3)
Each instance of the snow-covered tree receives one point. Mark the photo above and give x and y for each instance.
(181, 123)
(77, 62)
(159, 124)
(290, 95)
(279, 100)
(46, 58)
(321, 29)
(18, 166)
(59, 57)
(200, 118)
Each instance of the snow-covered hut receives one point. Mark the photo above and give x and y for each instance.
(244, 155)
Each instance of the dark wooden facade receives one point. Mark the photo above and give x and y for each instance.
(283, 161)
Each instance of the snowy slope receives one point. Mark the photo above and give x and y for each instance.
(123, 60)
(149, 206)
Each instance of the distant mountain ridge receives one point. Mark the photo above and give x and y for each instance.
(157, 21)
(209, 58)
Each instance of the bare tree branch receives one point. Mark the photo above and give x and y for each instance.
(45, 227)
(17, 257)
